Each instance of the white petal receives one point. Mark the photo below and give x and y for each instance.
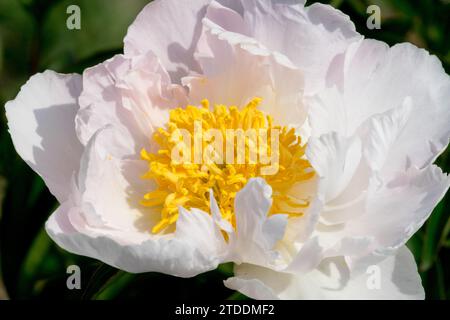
(253, 288)
(103, 220)
(170, 29)
(301, 228)
(217, 216)
(110, 187)
(335, 159)
(228, 18)
(41, 122)
(394, 210)
(411, 196)
(398, 75)
(168, 255)
(199, 230)
(256, 232)
(307, 258)
(133, 94)
(382, 146)
(399, 279)
(310, 37)
(236, 69)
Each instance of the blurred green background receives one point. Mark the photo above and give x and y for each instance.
(34, 37)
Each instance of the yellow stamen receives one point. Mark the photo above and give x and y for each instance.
(188, 184)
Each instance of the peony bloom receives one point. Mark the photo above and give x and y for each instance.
(360, 125)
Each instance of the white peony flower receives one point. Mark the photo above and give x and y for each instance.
(361, 125)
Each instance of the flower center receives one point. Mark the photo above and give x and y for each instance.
(220, 149)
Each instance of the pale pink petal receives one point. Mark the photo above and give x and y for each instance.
(41, 121)
(110, 187)
(170, 29)
(310, 36)
(235, 69)
(133, 94)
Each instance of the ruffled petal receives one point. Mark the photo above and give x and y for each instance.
(399, 206)
(335, 159)
(394, 209)
(236, 68)
(102, 221)
(170, 29)
(402, 77)
(394, 277)
(134, 94)
(41, 121)
(256, 233)
(310, 37)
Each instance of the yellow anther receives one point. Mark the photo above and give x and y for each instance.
(189, 184)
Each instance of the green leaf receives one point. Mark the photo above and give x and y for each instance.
(440, 280)
(114, 286)
(98, 279)
(103, 28)
(3, 183)
(33, 264)
(336, 3)
(237, 296)
(433, 231)
(226, 269)
(445, 237)
(415, 244)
